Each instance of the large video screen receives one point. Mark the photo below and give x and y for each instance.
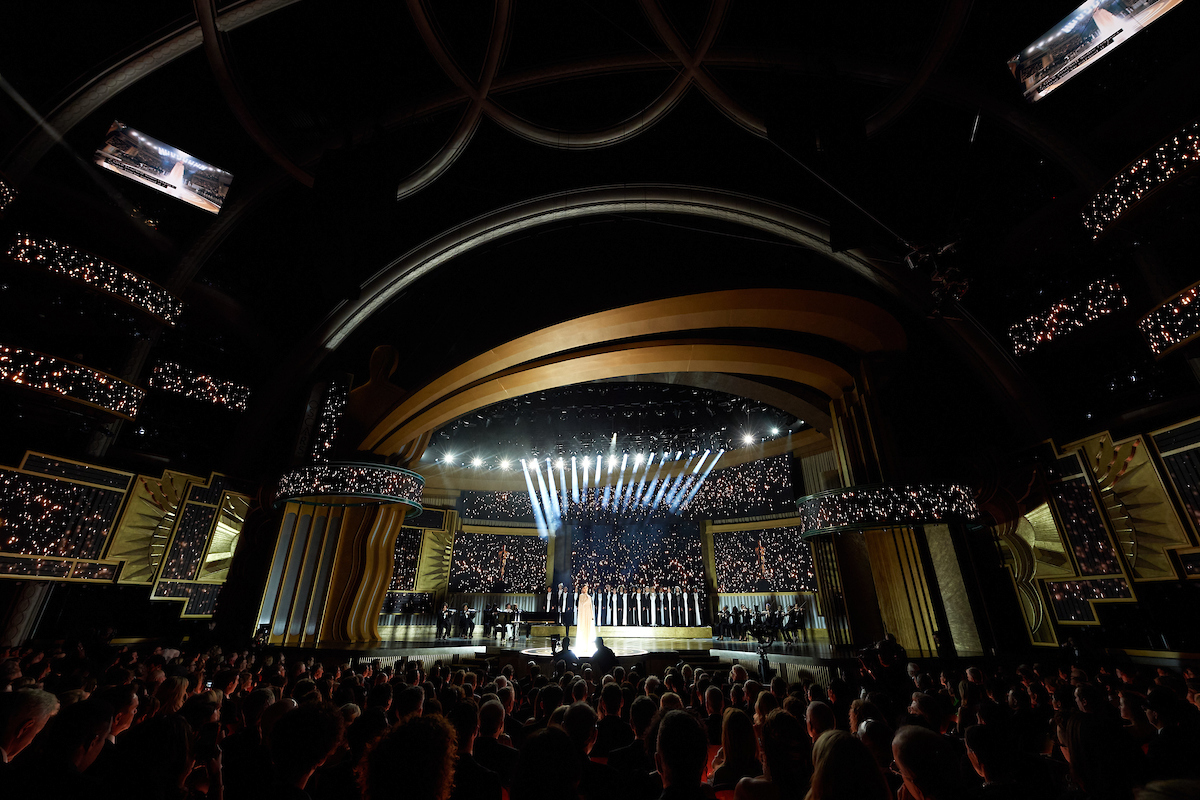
(639, 552)
(1080, 39)
(152, 163)
(497, 562)
(773, 560)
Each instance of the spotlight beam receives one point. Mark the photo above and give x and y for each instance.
(637, 496)
(562, 482)
(673, 497)
(538, 516)
(574, 481)
(552, 517)
(620, 481)
(649, 493)
(703, 477)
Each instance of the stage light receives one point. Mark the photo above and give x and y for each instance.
(449, 457)
(612, 461)
(504, 465)
(638, 459)
(477, 462)
(774, 431)
(748, 438)
(559, 463)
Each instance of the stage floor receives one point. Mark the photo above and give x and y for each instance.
(420, 638)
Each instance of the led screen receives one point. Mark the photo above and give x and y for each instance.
(1080, 39)
(148, 161)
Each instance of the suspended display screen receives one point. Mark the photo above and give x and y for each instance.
(148, 161)
(1080, 39)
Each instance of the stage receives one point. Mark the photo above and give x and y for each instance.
(648, 654)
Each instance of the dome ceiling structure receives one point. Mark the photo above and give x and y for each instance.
(448, 178)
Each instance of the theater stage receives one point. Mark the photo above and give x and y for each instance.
(650, 654)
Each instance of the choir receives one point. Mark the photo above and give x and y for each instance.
(644, 606)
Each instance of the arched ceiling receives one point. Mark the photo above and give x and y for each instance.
(479, 174)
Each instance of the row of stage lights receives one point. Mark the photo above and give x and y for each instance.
(507, 464)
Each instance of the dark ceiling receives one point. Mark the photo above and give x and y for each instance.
(920, 124)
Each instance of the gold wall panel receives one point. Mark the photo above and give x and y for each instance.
(902, 588)
(1135, 499)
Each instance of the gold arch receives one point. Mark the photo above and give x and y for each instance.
(614, 361)
(559, 355)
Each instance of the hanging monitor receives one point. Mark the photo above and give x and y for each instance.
(148, 161)
(1080, 39)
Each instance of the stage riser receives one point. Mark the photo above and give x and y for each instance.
(627, 632)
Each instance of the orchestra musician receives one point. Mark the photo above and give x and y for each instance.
(466, 622)
(443, 621)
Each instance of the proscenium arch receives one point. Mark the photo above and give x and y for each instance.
(617, 360)
(787, 223)
(856, 324)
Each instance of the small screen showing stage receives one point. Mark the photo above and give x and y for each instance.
(152, 163)
(493, 562)
(637, 553)
(773, 560)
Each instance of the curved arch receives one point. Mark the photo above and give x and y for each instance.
(861, 326)
(787, 223)
(405, 423)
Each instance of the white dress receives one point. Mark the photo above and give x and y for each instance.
(584, 643)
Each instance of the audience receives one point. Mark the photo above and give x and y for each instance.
(99, 721)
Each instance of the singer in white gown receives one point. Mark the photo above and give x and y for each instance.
(585, 626)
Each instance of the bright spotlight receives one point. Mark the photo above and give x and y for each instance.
(505, 464)
(748, 438)
(477, 461)
(559, 463)
(774, 431)
(638, 459)
(448, 458)
(612, 461)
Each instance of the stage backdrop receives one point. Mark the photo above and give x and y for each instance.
(477, 559)
(772, 560)
(637, 552)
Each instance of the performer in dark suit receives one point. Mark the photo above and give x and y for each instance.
(466, 622)
(443, 621)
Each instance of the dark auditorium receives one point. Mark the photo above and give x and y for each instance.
(628, 400)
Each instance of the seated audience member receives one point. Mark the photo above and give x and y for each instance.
(681, 756)
(245, 757)
(1174, 751)
(488, 751)
(23, 714)
(70, 744)
(634, 763)
(1104, 763)
(818, 719)
(612, 731)
(714, 704)
(843, 769)
(414, 761)
(471, 779)
(300, 743)
(374, 719)
(928, 763)
(994, 758)
(787, 761)
(410, 701)
(548, 768)
(738, 756)
(597, 781)
(877, 737)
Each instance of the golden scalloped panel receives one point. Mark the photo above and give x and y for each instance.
(225, 535)
(1139, 510)
(144, 531)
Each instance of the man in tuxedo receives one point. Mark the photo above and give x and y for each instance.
(443, 621)
(634, 762)
(466, 622)
(499, 758)
(622, 605)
